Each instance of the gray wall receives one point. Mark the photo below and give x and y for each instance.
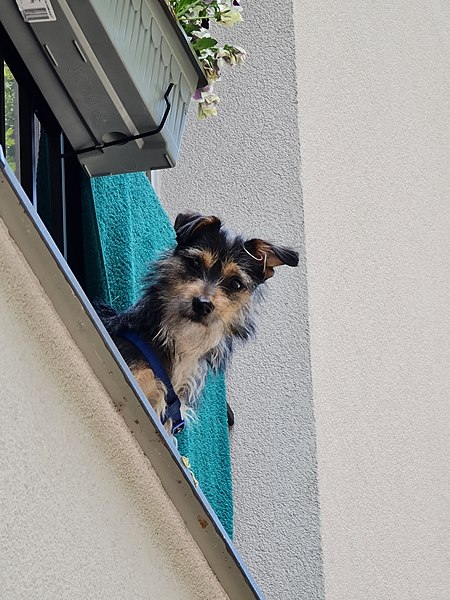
(244, 166)
(374, 121)
(374, 90)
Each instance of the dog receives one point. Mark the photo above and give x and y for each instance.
(198, 300)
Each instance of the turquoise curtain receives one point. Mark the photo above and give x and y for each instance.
(124, 228)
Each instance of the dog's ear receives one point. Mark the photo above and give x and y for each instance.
(271, 256)
(191, 225)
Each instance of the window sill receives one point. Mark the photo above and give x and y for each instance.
(79, 317)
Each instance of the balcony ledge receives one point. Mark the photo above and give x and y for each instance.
(82, 322)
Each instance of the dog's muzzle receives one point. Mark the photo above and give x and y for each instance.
(202, 306)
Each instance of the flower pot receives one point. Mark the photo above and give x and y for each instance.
(104, 67)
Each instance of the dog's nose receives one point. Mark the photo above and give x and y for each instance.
(202, 306)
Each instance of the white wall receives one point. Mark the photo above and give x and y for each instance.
(244, 166)
(374, 118)
(82, 513)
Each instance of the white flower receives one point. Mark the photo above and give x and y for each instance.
(239, 55)
(198, 17)
(208, 106)
(201, 32)
(230, 12)
(212, 72)
(232, 55)
(229, 18)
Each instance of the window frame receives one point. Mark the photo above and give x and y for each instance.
(65, 219)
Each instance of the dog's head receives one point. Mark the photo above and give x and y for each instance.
(211, 277)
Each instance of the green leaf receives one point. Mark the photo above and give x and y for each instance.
(204, 43)
(9, 138)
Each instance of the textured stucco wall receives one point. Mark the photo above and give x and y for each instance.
(244, 166)
(82, 513)
(374, 89)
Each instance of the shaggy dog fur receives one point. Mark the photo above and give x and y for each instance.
(198, 300)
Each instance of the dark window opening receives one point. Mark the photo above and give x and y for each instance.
(33, 142)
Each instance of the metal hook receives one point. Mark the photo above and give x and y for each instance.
(129, 138)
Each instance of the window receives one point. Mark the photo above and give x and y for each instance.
(10, 119)
(33, 143)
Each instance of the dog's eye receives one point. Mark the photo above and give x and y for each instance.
(193, 263)
(234, 284)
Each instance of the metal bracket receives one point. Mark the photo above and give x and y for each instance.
(128, 138)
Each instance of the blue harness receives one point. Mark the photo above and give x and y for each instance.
(173, 410)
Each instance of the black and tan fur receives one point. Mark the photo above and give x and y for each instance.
(198, 300)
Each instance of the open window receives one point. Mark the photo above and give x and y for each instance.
(34, 142)
(41, 154)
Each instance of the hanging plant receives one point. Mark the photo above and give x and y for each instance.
(196, 17)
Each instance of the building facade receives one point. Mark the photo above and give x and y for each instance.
(335, 138)
(332, 138)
